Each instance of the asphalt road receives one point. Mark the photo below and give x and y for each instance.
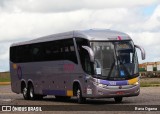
(148, 96)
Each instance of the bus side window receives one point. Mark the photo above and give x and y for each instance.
(20, 54)
(13, 54)
(54, 51)
(69, 51)
(37, 52)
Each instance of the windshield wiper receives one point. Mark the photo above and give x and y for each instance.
(113, 64)
(124, 67)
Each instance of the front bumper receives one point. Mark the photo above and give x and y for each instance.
(113, 91)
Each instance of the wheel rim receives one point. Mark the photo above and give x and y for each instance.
(31, 92)
(78, 94)
(25, 91)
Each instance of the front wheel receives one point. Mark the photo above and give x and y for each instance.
(79, 96)
(118, 99)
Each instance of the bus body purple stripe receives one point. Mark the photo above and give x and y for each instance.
(105, 82)
(116, 83)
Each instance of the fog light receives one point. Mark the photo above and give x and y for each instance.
(100, 92)
(101, 85)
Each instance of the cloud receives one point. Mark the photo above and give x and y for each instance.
(153, 24)
(44, 6)
(21, 26)
(4, 56)
(15, 26)
(149, 31)
(147, 39)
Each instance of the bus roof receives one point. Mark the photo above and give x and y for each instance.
(91, 34)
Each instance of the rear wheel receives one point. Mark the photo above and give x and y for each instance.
(25, 92)
(32, 95)
(79, 95)
(31, 92)
(118, 99)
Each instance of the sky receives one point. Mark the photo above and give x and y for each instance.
(22, 20)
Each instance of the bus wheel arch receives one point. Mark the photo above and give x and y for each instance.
(77, 91)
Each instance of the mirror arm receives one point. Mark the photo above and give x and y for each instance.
(90, 51)
(143, 54)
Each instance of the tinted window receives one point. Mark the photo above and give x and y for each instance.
(12, 54)
(45, 51)
(36, 52)
(53, 51)
(20, 54)
(69, 50)
(84, 56)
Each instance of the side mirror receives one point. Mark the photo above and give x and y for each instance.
(143, 54)
(90, 51)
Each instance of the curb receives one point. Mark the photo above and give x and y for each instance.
(5, 83)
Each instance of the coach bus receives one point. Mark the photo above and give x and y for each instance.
(82, 64)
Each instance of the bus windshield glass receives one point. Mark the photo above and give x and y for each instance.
(115, 60)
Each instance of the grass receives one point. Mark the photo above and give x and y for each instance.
(150, 82)
(5, 80)
(5, 77)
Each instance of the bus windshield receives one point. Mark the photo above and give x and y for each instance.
(115, 60)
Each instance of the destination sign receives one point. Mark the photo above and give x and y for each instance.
(123, 46)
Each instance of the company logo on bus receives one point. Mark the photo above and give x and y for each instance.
(19, 72)
(68, 67)
(119, 38)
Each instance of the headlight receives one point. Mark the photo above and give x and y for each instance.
(101, 85)
(136, 83)
(97, 83)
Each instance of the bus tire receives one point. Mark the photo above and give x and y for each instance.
(118, 99)
(31, 92)
(80, 99)
(32, 95)
(25, 92)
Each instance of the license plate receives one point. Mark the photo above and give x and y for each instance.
(120, 93)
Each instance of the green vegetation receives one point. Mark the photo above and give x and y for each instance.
(5, 77)
(150, 82)
(142, 70)
(154, 68)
